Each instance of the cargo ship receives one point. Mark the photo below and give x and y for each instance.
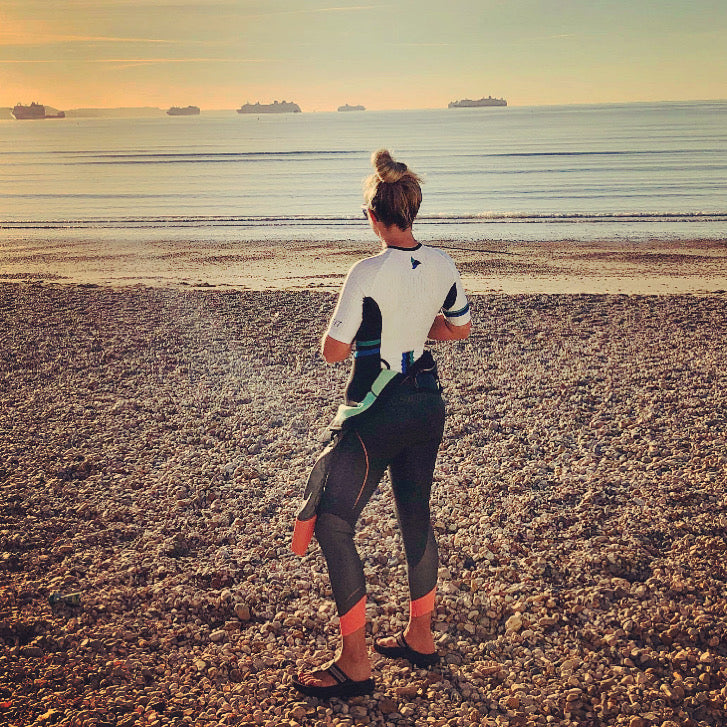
(277, 107)
(183, 111)
(468, 103)
(358, 107)
(35, 111)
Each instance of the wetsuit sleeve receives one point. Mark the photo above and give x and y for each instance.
(456, 307)
(347, 317)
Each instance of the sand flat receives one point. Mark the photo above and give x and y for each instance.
(658, 267)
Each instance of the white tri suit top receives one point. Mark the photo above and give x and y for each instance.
(387, 307)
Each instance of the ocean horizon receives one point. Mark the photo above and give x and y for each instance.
(629, 172)
(233, 109)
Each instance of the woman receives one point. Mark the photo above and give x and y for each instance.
(393, 417)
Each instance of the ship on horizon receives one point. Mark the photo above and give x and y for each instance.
(34, 111)
(468, 103)
(277, 107)
(357, 107)
(183, 111)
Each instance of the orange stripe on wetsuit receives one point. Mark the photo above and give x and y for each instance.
(424, 605)
(354, 618)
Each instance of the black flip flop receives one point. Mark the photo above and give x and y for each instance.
(343, 688)
(402, 650)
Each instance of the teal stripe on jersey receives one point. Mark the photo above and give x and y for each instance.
(368, 344)
(457, 313)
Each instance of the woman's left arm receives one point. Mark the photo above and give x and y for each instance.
(334, 350)
(346, 319)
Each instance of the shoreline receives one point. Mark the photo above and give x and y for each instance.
(657, 267)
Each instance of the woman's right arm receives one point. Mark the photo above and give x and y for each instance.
(453, 322)
(444, 330)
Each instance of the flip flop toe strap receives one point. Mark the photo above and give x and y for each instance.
(338, 674)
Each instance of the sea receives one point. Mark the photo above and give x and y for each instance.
(632, 172)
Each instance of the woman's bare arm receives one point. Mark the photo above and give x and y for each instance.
(334, 350)
(443, 330)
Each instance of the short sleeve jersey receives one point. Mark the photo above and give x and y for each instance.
(387, 306)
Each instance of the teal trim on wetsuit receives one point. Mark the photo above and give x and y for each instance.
(347, 411)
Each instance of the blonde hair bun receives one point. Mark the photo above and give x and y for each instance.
(392, 191)
(387, 170)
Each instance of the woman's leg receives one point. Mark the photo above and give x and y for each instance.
(355, 473)
(411, 477)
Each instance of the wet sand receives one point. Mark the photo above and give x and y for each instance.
(658, 267)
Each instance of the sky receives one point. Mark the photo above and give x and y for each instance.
(218, 54)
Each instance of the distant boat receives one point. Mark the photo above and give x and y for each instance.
(352, 108)
(35, 111)
(277, 107)
(468, 103)
(185, 111)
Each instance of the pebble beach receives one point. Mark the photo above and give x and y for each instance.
(154, 442)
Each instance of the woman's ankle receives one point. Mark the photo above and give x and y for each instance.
(418, 633)
(354, 654)
(356, 668)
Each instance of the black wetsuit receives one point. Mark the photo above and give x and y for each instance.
(387, 307)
